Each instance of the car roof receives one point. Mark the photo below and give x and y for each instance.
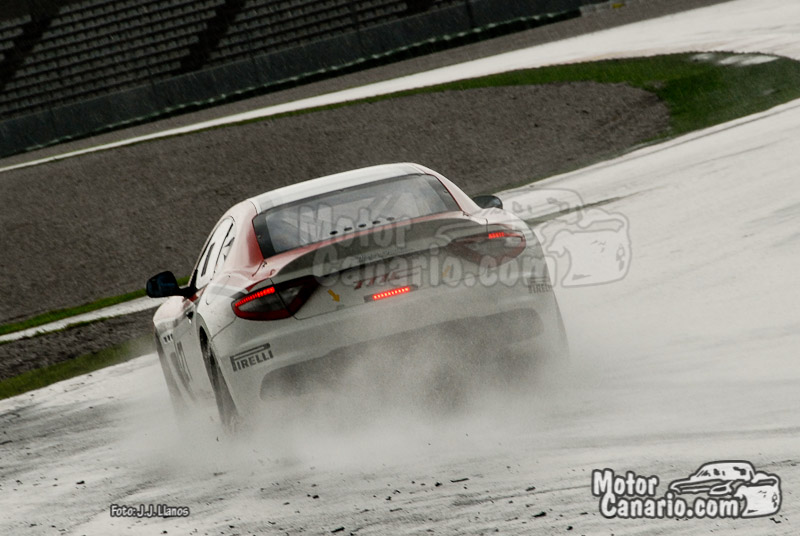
(331, 183)
(726, 466)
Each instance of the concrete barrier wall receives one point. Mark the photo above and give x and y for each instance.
(488, 12)
(204, 87)
(396, 35)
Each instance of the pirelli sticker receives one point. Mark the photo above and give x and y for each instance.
(251, 357)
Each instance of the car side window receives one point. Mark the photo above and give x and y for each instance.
(208, 260)
(225, 249)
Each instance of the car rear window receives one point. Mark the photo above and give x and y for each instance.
(349, 210)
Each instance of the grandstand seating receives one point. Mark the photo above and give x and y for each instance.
(93, 65)
(97, 46)
(93, 47)
(269, 26)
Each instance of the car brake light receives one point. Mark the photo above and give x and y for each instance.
(255, 295)
(275, 302)
(502, 246)
(500, 234)
(389, 293)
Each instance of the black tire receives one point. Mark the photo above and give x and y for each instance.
(228, 415)
(535, 362)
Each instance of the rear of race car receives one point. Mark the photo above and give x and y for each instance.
(474, 287)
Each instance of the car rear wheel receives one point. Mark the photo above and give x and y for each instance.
(532, 362)
(228, 415)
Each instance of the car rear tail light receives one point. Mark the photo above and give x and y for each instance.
(389, 293)
(502, 246)
(256, 295)
(275, 302)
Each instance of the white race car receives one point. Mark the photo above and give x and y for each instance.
(297, 283)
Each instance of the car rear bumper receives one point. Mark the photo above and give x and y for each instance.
(251, 352)
(407, 349)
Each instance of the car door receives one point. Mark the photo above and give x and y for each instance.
(186, 334)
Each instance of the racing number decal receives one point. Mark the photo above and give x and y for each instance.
(179, 360)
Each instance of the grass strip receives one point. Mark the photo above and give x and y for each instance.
(42, 377)
(60, 314)
(699, 89)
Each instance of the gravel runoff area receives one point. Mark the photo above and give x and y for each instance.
(100, 224)
(50, 348)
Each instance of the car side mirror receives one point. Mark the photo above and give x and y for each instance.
(488, 201)
(164, 285)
